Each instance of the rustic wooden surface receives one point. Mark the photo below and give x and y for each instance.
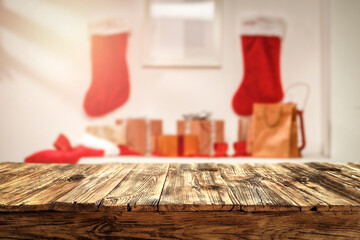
(139, 191)
(180, 187)
(195, 187)
(180, 225)
(154, 201)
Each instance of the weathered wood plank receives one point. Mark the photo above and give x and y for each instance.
(15, 191)
(140, 190)
(195, 187)
(335, 179)
(339, 173)
(8, 166)
(354, 165)
(251, 192)
(284, 185)
(355, 172)
(314, 182)
(72, 177)
(180, 225)
(186, 187)
(89, 194)
(16, 173)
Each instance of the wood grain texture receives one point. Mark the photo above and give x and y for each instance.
(180, 225)
(290, 187)
(70, 178)
(14, 174)
(140, 190)
(14, 191)
(180, 187)
(89, 194)
(180, 201)
(344, 173)
(195, 187)
(354, 165)
(7, 167)
(252, 192)
(335, 194)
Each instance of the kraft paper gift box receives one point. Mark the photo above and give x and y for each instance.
(112, 133)
(244, 137)
(207, 131)
(141, 133)
(178, 145)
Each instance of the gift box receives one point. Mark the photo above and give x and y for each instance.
(249, 136)
(207, 131)
(220, 149)
(141, 134)
(112, 133)
(178, 145)
(243, 146)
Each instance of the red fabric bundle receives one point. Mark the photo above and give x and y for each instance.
(64, 153)
(58, 156)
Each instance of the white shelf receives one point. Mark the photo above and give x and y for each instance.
(232, 160)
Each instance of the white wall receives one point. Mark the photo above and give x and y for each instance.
(345, 83)
(45, 70)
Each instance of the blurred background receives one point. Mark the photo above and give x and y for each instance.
(45, 71)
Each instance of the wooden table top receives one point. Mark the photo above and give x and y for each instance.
(180, 187)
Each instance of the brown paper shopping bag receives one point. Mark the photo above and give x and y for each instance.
(275, 131)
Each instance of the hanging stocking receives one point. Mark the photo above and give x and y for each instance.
(110, 86)
(261, 41)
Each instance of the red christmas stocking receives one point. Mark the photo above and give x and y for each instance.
(110, 79)
(261, 41)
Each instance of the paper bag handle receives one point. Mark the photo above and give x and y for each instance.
(299, 84)
(302, 129)
(271, 125)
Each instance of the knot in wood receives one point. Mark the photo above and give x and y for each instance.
(76, 177)
(303, 179)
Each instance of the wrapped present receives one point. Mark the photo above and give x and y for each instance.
(141, 134)
(240, 149)
(243, 146)
(178, 145)
(112, 133)
(241, 131)
(220, 149)
(207, 131)
(249, 136)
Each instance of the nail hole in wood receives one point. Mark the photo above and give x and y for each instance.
(314, 209)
